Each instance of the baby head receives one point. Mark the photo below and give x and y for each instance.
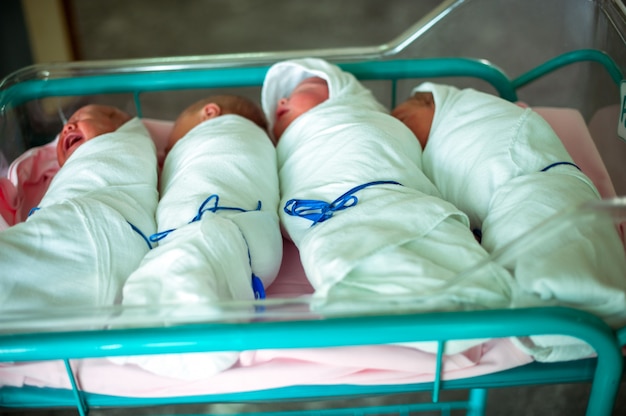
(212, 107)
(85, 124)
(417, 114)
(309, 93)
(292, 87)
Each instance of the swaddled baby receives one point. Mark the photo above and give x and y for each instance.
(507, 169)
(86, 236)
(219, 239)
(369, 225)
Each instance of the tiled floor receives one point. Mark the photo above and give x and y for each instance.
(514, 35)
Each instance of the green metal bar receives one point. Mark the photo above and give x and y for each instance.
(165, 80)
(568, 58)
(334, 332)
(131, 83)
(477, 402)
(171, 79)
(435, 67)
(137, 100)
(80, 402)
(318, 333)
(441, 345)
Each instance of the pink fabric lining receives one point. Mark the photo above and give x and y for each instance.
(26, 182)
(267, 369)
(570, 126)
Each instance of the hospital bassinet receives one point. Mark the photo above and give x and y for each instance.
(30, 101)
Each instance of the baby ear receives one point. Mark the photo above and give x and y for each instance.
(210, 110)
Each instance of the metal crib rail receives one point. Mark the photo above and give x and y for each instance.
(572, 57)
(362, 330)
(138, 82)
(393, 70)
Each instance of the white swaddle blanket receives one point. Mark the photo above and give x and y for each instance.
(79, 248)
(479, 142)
(223, 173)
(486, 156)
(397, 240)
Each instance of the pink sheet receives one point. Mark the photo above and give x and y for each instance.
(26, 182)
(570, 126)
(370, 365)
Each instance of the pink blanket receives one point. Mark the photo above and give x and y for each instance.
(26, 182)
(259, 370)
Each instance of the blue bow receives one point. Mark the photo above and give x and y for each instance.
(319, 211)
(203, 208)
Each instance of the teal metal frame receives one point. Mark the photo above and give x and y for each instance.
(604, 372)
(45, 84)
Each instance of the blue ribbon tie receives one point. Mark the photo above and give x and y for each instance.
(204, 207)
(547, 168)
(138, 231)
(257, 287)
(318, 211)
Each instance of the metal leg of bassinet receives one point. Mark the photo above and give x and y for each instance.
(80, 403)
(477, 402)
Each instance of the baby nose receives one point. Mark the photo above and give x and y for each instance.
(68, 127)
(282, 101)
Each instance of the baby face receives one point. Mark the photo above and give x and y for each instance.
(417, 114)
(88, 122)
(307, 94)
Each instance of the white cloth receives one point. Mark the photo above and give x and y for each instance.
(283, 77)
(79, 248)
(392, 243)
(211, 260)
(486, 156)
(233, 158)
(568, 256)
(478, 142)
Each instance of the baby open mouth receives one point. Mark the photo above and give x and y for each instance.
(71, 140)
(280, 112)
